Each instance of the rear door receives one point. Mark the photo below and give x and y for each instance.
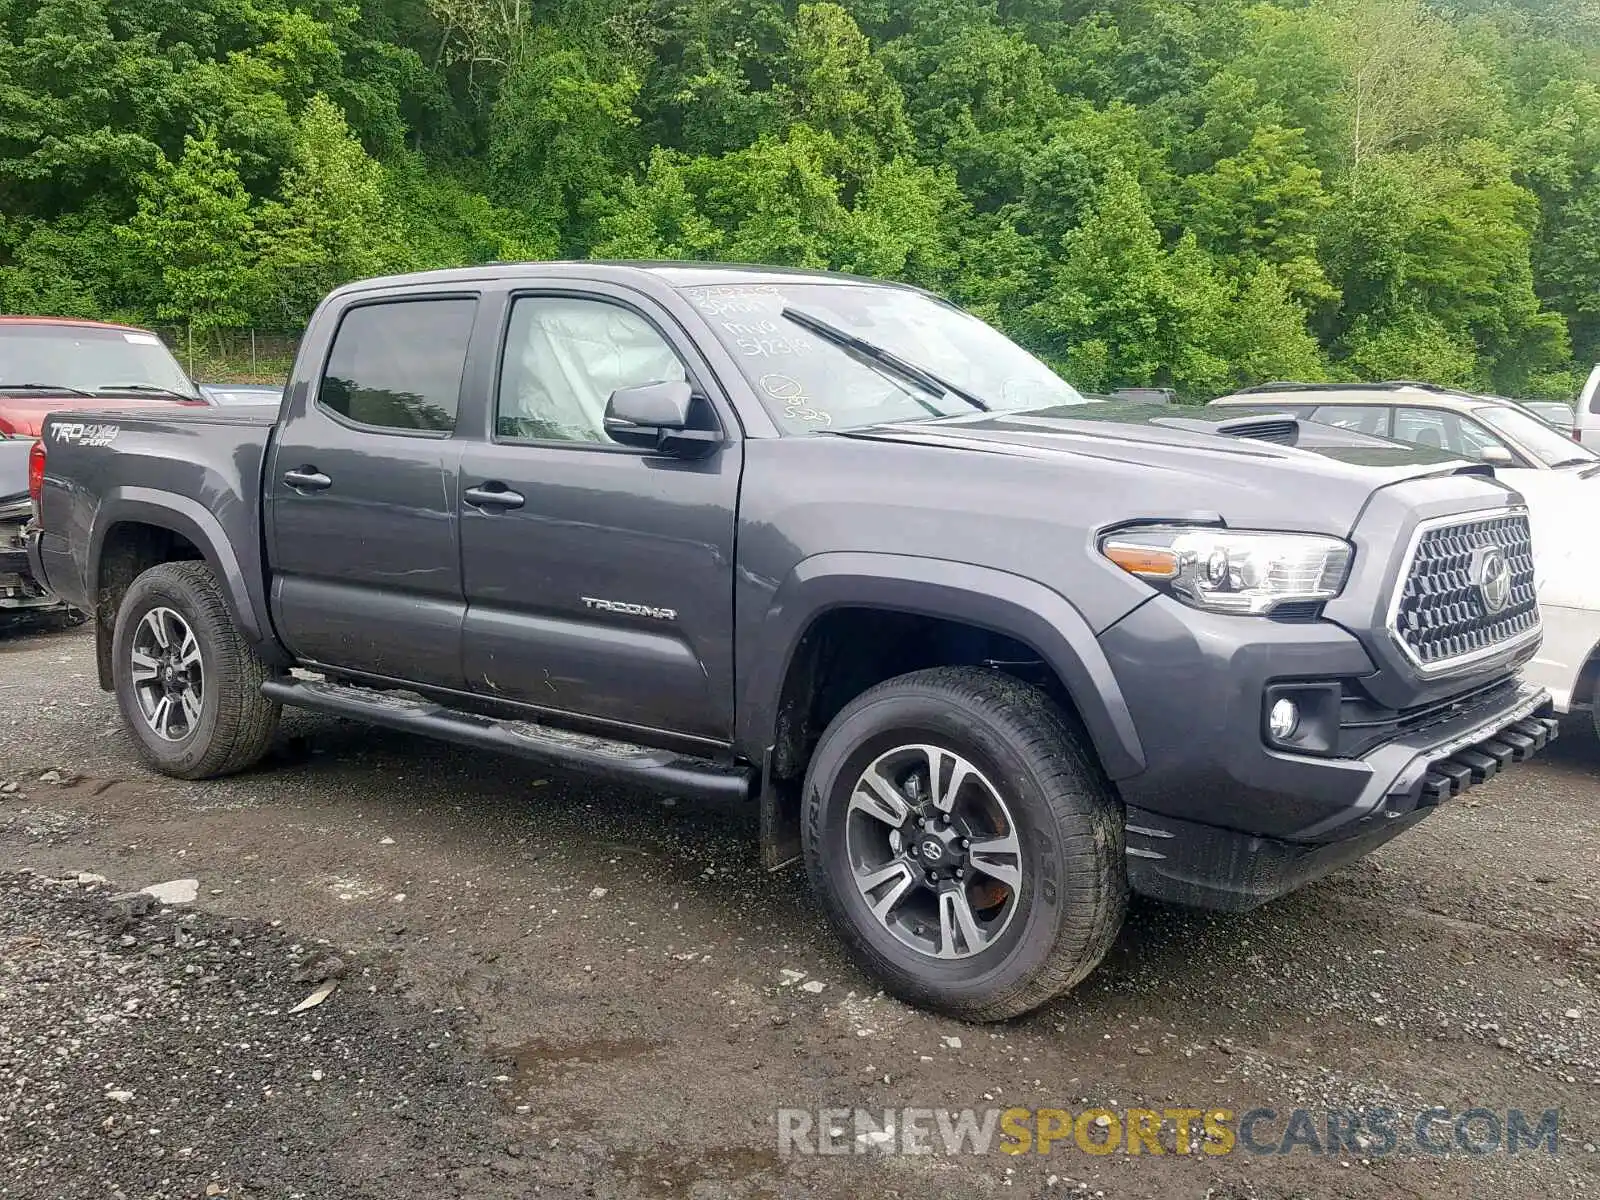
(602, 585)
(363, 535)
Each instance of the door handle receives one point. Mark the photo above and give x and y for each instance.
(307, 479)
(493, 495)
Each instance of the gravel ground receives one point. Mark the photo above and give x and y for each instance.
(548, 987)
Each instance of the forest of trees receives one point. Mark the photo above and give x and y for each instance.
(1187, 193)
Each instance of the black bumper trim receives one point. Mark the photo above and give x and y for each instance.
(1481, 762)
(1186, 862)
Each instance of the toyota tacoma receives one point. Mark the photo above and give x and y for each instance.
(986, 654)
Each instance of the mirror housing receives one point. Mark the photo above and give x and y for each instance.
(1497, 456)
(655, 416)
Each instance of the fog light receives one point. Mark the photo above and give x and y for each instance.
(1283, 720)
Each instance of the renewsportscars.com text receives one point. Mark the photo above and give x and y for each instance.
(1369, 1133)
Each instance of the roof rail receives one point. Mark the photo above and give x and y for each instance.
(1285, 386)
(1381, 385)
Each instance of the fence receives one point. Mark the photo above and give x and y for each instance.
(232, 355)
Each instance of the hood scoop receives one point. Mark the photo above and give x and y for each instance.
(1278, 428)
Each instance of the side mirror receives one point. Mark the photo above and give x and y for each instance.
(1497, 456)
(655, 416)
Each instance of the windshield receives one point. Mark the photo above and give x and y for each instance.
(1533, 436)
(88, 358)
(810, 383)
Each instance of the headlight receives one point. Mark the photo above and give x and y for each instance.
(1226, 571)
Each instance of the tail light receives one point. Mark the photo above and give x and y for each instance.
(36, 475)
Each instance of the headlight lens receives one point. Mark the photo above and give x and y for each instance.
(1228, 571)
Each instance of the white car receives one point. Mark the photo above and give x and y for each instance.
(1564, 510)
(1587, 411)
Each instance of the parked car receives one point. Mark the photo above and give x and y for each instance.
(986, 656)
(52, 364)
(1480, 428)
(241, 393)
(1587, 409)
(18, 592)
(1554, 414)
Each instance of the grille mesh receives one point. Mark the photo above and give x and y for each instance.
(1442, 614)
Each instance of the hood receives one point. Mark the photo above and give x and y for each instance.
(1296, 474)
(23, 415)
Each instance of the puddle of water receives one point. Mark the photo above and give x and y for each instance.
(536, 1060)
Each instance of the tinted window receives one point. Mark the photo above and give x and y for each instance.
(564, 357)
(1372, 419)
(398, 365)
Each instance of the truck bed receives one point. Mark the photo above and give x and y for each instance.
(207, 460)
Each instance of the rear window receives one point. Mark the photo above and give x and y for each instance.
(398, 365)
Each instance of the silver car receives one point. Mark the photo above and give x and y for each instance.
(1486, 429)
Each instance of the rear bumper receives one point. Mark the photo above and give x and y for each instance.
(1188, 862)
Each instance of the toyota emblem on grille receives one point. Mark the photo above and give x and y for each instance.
(1492, 576)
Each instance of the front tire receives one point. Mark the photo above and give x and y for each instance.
(188, 685)
(964, 844)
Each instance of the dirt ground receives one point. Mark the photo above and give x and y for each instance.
(551, 988)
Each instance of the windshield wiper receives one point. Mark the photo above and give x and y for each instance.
(142, 387)
(1572, 462)
(921, 376)
(43, 387)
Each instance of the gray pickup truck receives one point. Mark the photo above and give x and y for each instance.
(988, 655)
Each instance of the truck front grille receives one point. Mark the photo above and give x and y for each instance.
(1443, 617)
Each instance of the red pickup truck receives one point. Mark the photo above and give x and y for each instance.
(52, 364)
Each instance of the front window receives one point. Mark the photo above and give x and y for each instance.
(811, 384)
(1534, 437)
(88, 358)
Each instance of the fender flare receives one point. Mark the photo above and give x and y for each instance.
(995, 600)
(181, 515)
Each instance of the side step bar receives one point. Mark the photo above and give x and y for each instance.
(621, 762)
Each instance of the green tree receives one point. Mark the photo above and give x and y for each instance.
(328, 224)
(192, 233)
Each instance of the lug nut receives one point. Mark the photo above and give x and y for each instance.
(966, 843)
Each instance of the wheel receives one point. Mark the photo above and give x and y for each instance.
(965, 846)
(188, 685)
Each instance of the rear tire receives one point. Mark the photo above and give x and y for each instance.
(1003, 884)
(188, 685)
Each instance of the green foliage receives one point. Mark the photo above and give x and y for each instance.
(1176, 192)
(191, 234)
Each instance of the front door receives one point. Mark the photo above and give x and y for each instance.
(598, 578)
(364, 547)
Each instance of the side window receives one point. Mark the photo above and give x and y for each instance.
(1425, 427)
(398, 365)
(1373, 419)
(1475, 439)
(563, 359)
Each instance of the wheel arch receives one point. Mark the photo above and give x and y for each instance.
(994, 613)
(138, 528)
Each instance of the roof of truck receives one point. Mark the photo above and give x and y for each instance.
(674, 274)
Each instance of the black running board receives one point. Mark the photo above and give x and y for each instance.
(583, 753)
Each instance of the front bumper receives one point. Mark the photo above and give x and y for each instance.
(1219, 818)
(1186, 862)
